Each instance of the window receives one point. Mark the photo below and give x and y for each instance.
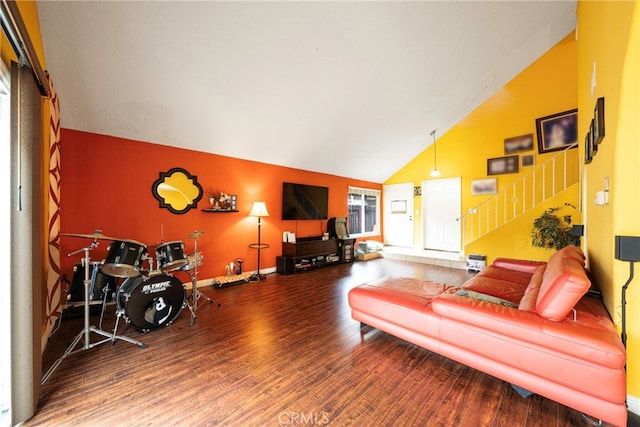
(364, 211)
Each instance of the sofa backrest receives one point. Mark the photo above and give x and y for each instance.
(564, 282)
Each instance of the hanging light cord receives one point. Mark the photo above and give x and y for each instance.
(435, 151)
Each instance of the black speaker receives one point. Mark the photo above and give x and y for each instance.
(628, 248)
(284, 265)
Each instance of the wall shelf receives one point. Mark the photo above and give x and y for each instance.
(220, 210)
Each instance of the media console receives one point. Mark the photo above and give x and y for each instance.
(308, 253)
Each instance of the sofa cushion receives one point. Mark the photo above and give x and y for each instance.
(508, 275)
(528, 301)
(495, 287)
(564, 282)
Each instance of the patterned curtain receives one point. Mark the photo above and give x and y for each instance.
(54, 285)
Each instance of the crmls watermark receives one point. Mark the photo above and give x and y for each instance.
(303, 418)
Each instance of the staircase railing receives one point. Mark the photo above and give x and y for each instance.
(525, 193)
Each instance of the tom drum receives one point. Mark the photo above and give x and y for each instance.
(124, 258)
(171, 256)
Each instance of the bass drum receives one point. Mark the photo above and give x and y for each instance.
(150, 303)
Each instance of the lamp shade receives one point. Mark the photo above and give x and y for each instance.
(259, 209)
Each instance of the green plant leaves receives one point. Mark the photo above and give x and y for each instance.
(551, 231)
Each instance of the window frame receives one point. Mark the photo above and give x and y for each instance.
(365, 192)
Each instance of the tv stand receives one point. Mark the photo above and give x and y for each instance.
(308, 253)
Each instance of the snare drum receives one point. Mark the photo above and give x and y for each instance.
(124, 258)
(171, 256)
(100, 283)
(150, 303)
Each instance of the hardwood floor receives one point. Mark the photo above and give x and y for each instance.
(283, 351)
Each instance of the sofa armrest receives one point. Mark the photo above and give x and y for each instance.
(524, 266)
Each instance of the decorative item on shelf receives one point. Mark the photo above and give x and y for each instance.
(259, 210)
(553, 232)
(221, 201)
(435, 172)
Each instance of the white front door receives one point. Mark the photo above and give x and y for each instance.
(441, 206)
(398, 214)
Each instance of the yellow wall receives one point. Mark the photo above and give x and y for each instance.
(546, 87)
(608, 35)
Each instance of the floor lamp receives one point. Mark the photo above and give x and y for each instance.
(259, 210)
(627, 249)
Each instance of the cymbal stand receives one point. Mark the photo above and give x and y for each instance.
(195, 293)
(84, 334)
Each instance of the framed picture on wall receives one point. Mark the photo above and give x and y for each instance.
(557, 132)
(588, 154)
(517, 144)
(481, 187)
(502, 165)
(527, 160)
(598, 121)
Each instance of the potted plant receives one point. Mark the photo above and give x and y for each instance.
(551, 231)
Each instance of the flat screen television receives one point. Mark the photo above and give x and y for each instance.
(301, 201)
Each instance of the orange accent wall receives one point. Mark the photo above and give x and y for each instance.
(106, 185)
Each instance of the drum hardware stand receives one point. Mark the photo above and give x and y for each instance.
(195, 293)
(104, 302)
(84, 334)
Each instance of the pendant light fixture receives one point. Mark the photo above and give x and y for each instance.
(435, 172)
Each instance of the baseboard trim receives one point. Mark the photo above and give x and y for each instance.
(633, 404)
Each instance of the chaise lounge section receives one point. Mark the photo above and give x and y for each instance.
(527, 323)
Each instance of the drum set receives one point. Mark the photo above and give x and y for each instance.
(147, 298)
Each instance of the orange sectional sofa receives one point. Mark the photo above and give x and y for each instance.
(528, 323)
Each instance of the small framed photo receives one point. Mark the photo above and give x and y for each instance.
(592, 138)
(557, 132)
(598, 121)
(481, 187)
(503, 165)
(527, 160)
(588, 154)
(233, 202)
(518, 144)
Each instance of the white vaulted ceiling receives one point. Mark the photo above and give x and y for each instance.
(345, 88)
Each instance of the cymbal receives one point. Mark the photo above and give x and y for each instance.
(95, 235)
(195, 234)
